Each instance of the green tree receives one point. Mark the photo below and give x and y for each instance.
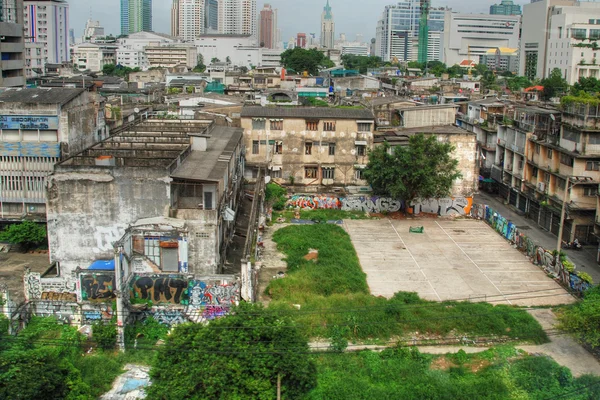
(243, 70)
(299, 60)
(517, 83)
(456, 71)
(361, 63)
(583, 318)
(589, 85)
(422, 169)
(239, 356)
(214, 60)
(28, 234)
(228, 60)
(555, 85)
(109, 69)
(200, 67)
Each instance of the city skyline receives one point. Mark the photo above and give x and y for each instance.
(291, 19)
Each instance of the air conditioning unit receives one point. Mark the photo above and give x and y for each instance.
(541, 186)
(534, 137)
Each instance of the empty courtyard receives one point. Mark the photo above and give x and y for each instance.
(451, 260)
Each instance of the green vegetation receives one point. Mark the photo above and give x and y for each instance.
(276, 196)
(321, 215)
(105, 335)
(118, 70)
(238, 357)
(315, 102)
(401, 373)
(583, 318)
(145, 333)
(27, 234)
(300, 60)
(423, 169)
(517, 83)
(361, 63)
(555, 85)
(200, 67)
(333, 293)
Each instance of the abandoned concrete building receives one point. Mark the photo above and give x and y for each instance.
(465, 151)
(308, 146)
(187, 170)
(38, 128)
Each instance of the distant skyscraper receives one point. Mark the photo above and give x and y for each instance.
(398, 31)
(301, 40)
(47, 22)
(211, 16)
(268, 27)
(327, 28)
(506, 7)
(136, 16)
(238, 17)
(191, 19)
(175, 18)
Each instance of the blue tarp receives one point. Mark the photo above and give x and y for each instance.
(102, 265)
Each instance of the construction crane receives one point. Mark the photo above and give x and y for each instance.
(424, 31)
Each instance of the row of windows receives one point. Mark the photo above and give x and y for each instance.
(328, 126)
(588, 191)
(326, 173)
(361, 150)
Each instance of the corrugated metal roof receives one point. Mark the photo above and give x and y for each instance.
(306, 112)
(40, 95)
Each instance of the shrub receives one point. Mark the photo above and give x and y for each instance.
(105, 335)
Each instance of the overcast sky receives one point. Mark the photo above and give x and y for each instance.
(351, 16)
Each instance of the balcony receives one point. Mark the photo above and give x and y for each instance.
(12, 64)
(518, 149)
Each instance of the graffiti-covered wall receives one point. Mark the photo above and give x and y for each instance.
(97, 286)
(51, 289)
(376, 204)
(175, 299)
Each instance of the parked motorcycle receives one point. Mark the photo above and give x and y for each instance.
(574, 245)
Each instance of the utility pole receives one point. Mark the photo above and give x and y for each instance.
(279, 386)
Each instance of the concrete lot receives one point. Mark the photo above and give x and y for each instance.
(451, 260)
(12, 269)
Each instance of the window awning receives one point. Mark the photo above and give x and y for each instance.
(361, 143)
(102, 265)
(364, 122)
(359, 166)
(259, 119)
(275, 119)
(276, 168)
(327, 166)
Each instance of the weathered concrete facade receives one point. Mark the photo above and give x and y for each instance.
(308, 146)
(40, 127)
(465, 151)
(186, 169)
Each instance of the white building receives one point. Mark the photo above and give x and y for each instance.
(133, 59)
(223, 46)
(327, 28)
(533, 47)
(572, 44)
(172, 55)
(47, 22)
(470, 36)
(35, 61)
(356, 49)
(397, 35)
(238, 17)
(92, 30)
(139, 40)
(93, 56)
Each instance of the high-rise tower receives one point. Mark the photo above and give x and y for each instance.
(136, 16)
(267, 36)
(327, 28)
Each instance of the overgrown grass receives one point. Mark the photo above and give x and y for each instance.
(403, 373)
(332, 292)
(321, 215)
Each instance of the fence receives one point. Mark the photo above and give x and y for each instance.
(546, 259)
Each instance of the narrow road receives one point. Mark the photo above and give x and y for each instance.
(584, 260)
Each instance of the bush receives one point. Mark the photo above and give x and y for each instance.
(28, 234)
(105, 335)
(583, 319)
(147, 333)
(276, 196)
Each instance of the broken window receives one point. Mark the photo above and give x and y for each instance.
(329, 126)
(308, 148)
(311, 172)
(278, 147)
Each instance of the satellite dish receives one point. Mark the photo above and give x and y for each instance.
(136, 110)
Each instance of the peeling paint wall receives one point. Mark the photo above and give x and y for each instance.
(89, 209)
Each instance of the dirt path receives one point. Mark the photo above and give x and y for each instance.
(563, 348)
(272, 262)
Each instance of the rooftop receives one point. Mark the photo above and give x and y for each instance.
(378, 101)
(153, 143)
(40, 95)
(306, 112)
(403, 134)
(210, 165)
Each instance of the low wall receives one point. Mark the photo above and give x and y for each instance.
(375, 204)
(537, 254)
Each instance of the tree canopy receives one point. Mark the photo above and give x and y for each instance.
(422, 169)
(118, 70)
(28, 234)
(200, 67)
(589, 85)
(361, 63)
(555, 85)
(236, 357)
(517, 83)
(299, 60)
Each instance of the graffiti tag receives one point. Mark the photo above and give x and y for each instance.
(161, 289)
